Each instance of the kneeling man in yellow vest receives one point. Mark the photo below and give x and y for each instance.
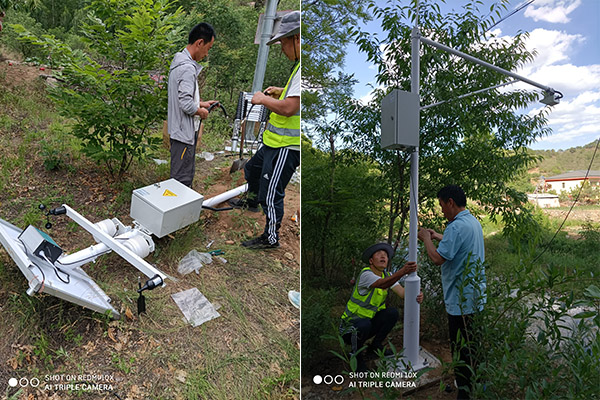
(366, 314)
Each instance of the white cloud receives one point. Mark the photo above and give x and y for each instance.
(551, 46)
(366, 99)
(574, 120)
(554, 11)
(552, 67)
(569, 79)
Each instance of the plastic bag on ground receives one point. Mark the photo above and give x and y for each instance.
(193, 261)
(195, 307)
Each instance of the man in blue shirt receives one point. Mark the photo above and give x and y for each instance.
(461, 254)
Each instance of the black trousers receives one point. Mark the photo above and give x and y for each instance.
(377, 328)
(462, 324)
(183, 162)
(268, 173)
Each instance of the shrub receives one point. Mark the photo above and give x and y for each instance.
(317, 321)
(530, 347)
(10, 37)
(343, 212)
(110, 94)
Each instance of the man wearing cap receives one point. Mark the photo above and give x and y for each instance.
(461, 254)
(366, 315)
(269, 171)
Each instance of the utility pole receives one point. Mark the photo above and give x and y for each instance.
(263, 55)
(400, 115)
(412, 284)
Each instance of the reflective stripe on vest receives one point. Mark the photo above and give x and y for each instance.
(283, 131)
(365, 306)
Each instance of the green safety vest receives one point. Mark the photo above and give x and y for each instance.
(283, 131)
(365, 306)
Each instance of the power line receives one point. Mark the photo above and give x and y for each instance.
(572, 205)
(516, 10)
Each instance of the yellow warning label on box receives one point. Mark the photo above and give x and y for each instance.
(169, 193)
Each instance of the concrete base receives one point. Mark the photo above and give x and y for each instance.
(405, 376)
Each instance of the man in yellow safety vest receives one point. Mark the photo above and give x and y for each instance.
(269, 171)
(366, 315)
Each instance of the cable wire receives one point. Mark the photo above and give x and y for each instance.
(547, 246)
(516, 10)
(56, 269)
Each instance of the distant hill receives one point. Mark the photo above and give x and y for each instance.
(560, 161)
(556, 162)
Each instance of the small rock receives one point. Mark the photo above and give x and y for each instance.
(52, 82)
(289, 256)
(180, 375)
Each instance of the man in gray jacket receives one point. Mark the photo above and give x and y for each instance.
(185, 107)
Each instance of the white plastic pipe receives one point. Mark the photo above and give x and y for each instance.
(218, 199)
(88, 254)
(107, 226)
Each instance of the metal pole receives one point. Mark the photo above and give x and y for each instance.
(485, 64)
(469, 94)
(263, 55)
(412, 284)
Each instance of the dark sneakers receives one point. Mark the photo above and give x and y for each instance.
(243, 204)
(259, 243)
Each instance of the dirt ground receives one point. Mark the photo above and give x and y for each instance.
(334, 366)
(250, 351)
(588, 215)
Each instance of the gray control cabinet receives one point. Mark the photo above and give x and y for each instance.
(165, 207)
(400, 120)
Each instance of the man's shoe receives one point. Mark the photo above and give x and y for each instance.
(243, 204)
(259, 243)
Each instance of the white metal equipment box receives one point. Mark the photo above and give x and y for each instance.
(165, 207)
(400, 120)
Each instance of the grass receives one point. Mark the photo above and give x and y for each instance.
(575, 257)
(249, 352)
(245, 221)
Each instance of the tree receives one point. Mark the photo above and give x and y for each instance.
(478, 142)
(342, 213)
(325, 26)
(331, 207)
(116, 95)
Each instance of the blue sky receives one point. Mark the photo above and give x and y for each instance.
(566, 35)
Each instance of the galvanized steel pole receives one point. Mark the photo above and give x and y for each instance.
(263, 54)
(485, 64)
